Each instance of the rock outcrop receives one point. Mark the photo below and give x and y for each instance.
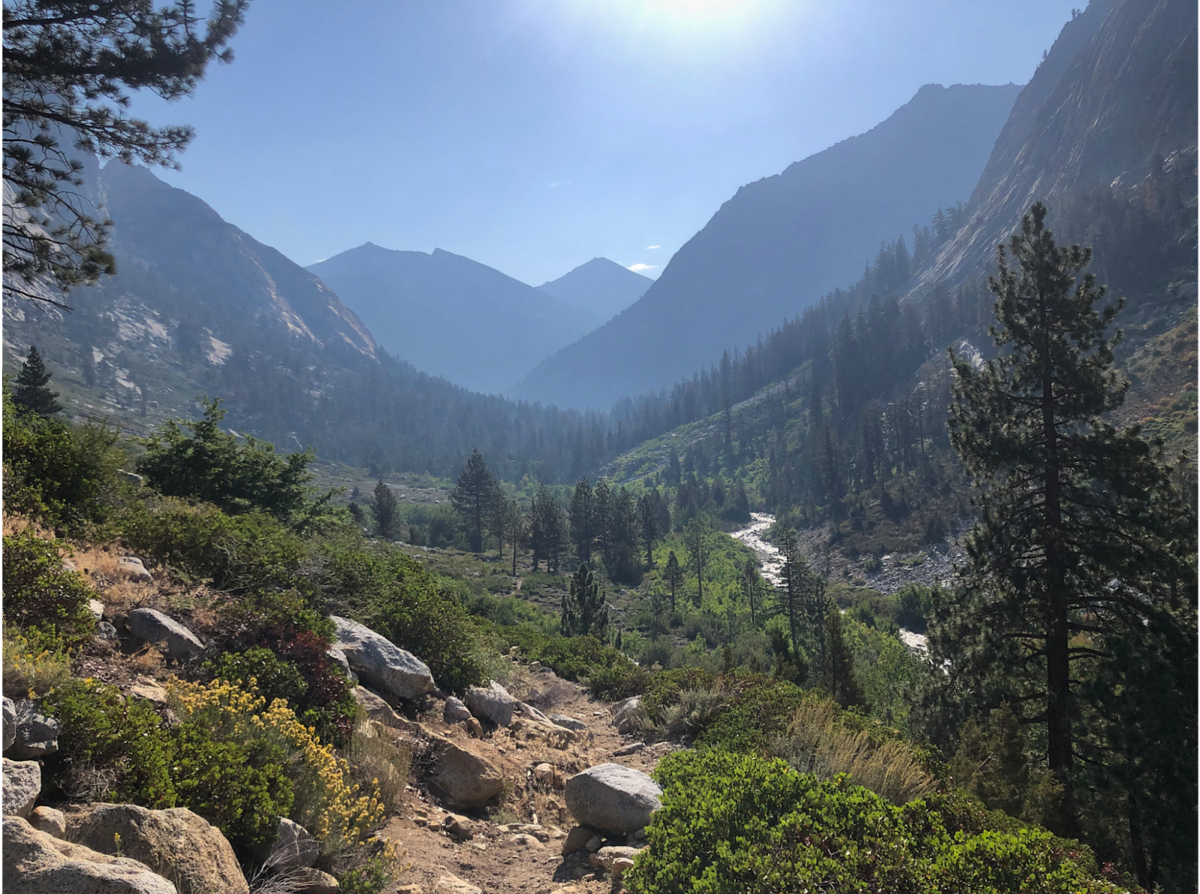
(464, 775)
(380, 663)
(492, 704)
(38, 863)
(150, 626)
(614, 799)
(36, 734)
(175, 843)
(22, 785)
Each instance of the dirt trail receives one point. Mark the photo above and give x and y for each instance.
(505, 855)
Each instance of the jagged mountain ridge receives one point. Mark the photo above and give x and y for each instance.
(451, 316)
(601, 287)
(781, 243)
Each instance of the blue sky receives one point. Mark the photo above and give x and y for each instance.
(534, 135)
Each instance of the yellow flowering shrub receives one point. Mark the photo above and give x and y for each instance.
(326, 802)
(29, 669)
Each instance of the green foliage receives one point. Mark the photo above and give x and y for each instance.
(584, 612)
(252, 551)
(386, 512)
(914, 606)
(58, 474)
(473, 498)
(397, 598)
(743, 824)
(31, 392)
(41, 598)
(212, 466)
(610, 674)
(110, 747)
(760, 709)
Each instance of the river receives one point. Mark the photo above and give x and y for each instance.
(770, 561)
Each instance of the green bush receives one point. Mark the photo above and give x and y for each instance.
(760, 709)
(60, 475)
(41, 598)
(236, 553)
(610, 674)
(740, 824)
(110, 747)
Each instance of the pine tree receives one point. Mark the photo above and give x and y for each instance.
(386, 511)
(1082, 542)
(584, 612)
(751, 586)
(582, 519)
(31, 391)
(838, 676)
(695, 538)
(673, 575)
(473, 498)
(648, 522)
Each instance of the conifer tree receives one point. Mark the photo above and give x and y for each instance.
(695, 538)
(386, 512)
(31, 391)
(582, 519)
(1082, 543)
(673, 575)
(584, 612)
(473, 498)
(648, 522)
(838, 676)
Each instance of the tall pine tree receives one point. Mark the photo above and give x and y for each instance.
(1082, 546)
(473, 499)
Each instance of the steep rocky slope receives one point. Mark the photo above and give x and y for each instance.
(781, 243)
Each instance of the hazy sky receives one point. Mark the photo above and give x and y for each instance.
(534, 135)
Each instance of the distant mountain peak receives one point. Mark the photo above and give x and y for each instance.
(600, 286)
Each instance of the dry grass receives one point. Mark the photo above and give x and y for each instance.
(817, 742)
(378, 758)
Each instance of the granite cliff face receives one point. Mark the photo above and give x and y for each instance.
(239, 282)
(1113, 105)
(781, 243)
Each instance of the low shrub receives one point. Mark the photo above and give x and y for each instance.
(235, 553)
(43, 599)
(110, 746)
(760, 709)
(377, 758)
(741, 824)
(30, 669)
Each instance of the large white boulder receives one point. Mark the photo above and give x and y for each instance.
(614, 799)
(150, 626)
(381, 664)
(175, 843)
(22, 785)
(493, 704)
(38, 863)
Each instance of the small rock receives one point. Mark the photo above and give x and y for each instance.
(567, 722)
(22, 785)
(466, 777)
(10, 723)
(530, 711)
(149, 690)
(535, 666)
(474, 727)
(37, 734)
(106, 632)
(629, 749)
(49, 820)
(96, 607)
(150, 626)
(594, 844)
(460, 828)
(623, 713)
(607, 856)
(294, 847)
(620, 865)
(311, 881)
(452, 884)
(410, 889)
(493, 704)
(455, 711)
(548, 776)
(528, 841)
(134, 569)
